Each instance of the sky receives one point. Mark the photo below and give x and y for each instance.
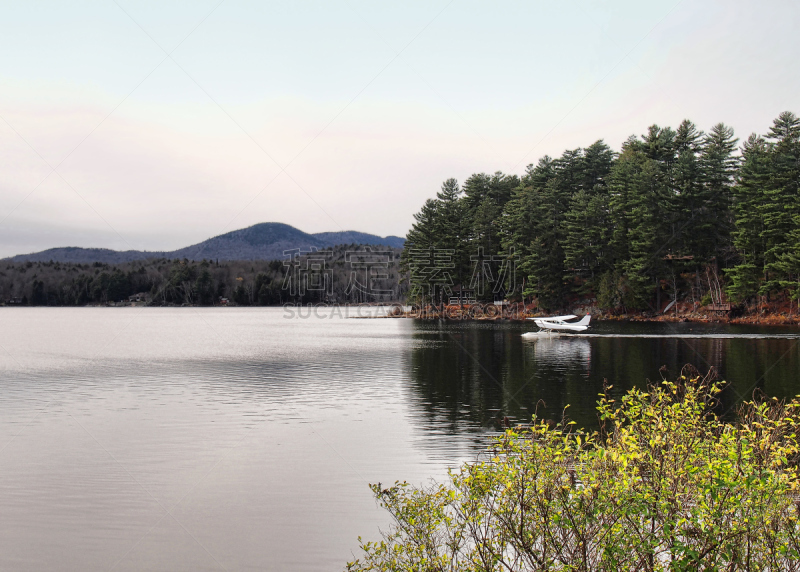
(156, 125)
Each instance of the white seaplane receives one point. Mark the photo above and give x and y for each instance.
(557, 324)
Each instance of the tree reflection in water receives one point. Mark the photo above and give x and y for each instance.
(468, 377)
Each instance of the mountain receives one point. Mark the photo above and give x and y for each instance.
(84, 255)
(264, 241)
(353, 237)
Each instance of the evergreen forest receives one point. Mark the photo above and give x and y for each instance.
(675, 214)
(342, 274)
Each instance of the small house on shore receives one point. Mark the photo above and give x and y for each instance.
(139, 299)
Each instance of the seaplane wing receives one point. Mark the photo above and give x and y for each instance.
(556, 318)
(560, 323)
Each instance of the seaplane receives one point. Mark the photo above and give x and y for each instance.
(557, 324)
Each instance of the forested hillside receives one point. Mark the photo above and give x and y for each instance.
(674, 214)
(343, 274)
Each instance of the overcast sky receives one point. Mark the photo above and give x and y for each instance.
(155, 125)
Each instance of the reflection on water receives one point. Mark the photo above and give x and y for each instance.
(561, 350)
(175, 439)
(469, 376)
(200, 439)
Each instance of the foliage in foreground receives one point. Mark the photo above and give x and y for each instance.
(664, 485)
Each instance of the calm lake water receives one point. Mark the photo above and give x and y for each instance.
(207, 439)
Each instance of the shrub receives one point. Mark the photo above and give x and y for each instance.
(664, 485)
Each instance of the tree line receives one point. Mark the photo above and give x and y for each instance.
(676, 214)
(343, 274)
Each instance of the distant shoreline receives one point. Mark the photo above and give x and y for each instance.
(453, 313)
(764, 317)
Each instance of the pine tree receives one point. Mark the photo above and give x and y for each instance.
(587, 222)
(423, 232)
(551, 184)
(452, 230)
(586, 238)
(643, 264)
(421, 237)
(658, 144)
(528, 227)
(596, 165)
(748, 234)
(783, 218)
(620, 192)
(517, 226)
(717, 166)
(687, 188)
(640, 199)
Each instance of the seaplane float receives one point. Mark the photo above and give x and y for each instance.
(554, 325)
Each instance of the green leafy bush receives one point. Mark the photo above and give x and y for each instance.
(664, 485)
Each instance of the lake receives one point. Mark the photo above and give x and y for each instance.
(244, 438)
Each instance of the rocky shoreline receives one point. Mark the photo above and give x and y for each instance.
(706, 317)
(764, 315)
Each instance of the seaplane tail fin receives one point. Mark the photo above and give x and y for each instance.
(585, 320)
